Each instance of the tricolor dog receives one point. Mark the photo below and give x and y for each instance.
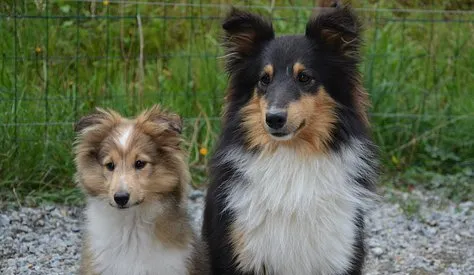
(294, 172)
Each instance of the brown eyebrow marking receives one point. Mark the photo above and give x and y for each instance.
(268, 69)
(298, 68)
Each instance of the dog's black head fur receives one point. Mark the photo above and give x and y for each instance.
(281, 86)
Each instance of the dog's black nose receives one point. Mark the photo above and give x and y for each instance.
(276, 119)
(121, 198)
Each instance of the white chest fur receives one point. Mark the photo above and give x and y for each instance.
(122, 242)
(295, 215)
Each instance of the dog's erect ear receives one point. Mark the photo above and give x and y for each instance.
(245, 34)
(90, 120)
(336, 29)
(164, 127)
(170, 121)
(174, 122)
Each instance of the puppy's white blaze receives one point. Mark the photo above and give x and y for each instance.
(123, 184)
(125, 136)
(123, 242)
(297, 215)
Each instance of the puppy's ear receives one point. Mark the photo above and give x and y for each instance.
(93, 128)
(164, 127)
(165, 120)
(336, 29)
(173, 121)
(90, 120)
(245, 35)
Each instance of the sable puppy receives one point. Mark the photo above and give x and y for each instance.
(294, 172)
(135, 177)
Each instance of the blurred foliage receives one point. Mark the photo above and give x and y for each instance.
(60, 59)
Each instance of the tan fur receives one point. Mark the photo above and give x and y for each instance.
(149, 141)
(199, 263)
(316, 112)
(154, 138)
(86, 258)
(297, 68)
(172, 231)
(238, 241)
(268, 69)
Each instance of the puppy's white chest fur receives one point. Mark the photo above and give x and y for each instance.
(123, 242)
(296, 216)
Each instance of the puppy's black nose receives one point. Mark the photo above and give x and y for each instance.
(121, 198)
(275, 119)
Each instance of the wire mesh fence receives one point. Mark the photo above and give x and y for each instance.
(60, 59)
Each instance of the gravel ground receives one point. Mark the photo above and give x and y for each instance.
(438, 239)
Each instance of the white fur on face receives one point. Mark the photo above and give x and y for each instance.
(123, 242)
(125, 136)
(297, 215)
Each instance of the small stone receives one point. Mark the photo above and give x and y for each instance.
(21, 229)
(11, 262)
(431, 231)
(49, 208)
(56, 213)
(373, 243)
(467, 204)
(465, 234)
(4, 220)
(377, 251)
(39, 223)
(403, 245)
(457, 238)
(64, 212)
(413, 227)
(61, 248)
(14, 217)
(28, 238)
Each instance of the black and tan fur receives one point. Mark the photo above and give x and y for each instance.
(295, 162)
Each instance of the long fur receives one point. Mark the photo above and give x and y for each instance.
(152, 233)
(293, 205)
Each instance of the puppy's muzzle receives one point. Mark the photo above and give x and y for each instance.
(121, 198)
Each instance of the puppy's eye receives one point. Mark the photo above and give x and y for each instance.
(303, 78)
(139, 164)
(110, 166)
(265, 80)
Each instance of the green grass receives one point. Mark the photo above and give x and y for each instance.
(417, 69)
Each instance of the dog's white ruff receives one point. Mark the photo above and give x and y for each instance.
(297, 215)
(123, 242)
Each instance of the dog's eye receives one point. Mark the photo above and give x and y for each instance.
(110, 166)
(265, 79)
(139, 164)
(303, 78)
